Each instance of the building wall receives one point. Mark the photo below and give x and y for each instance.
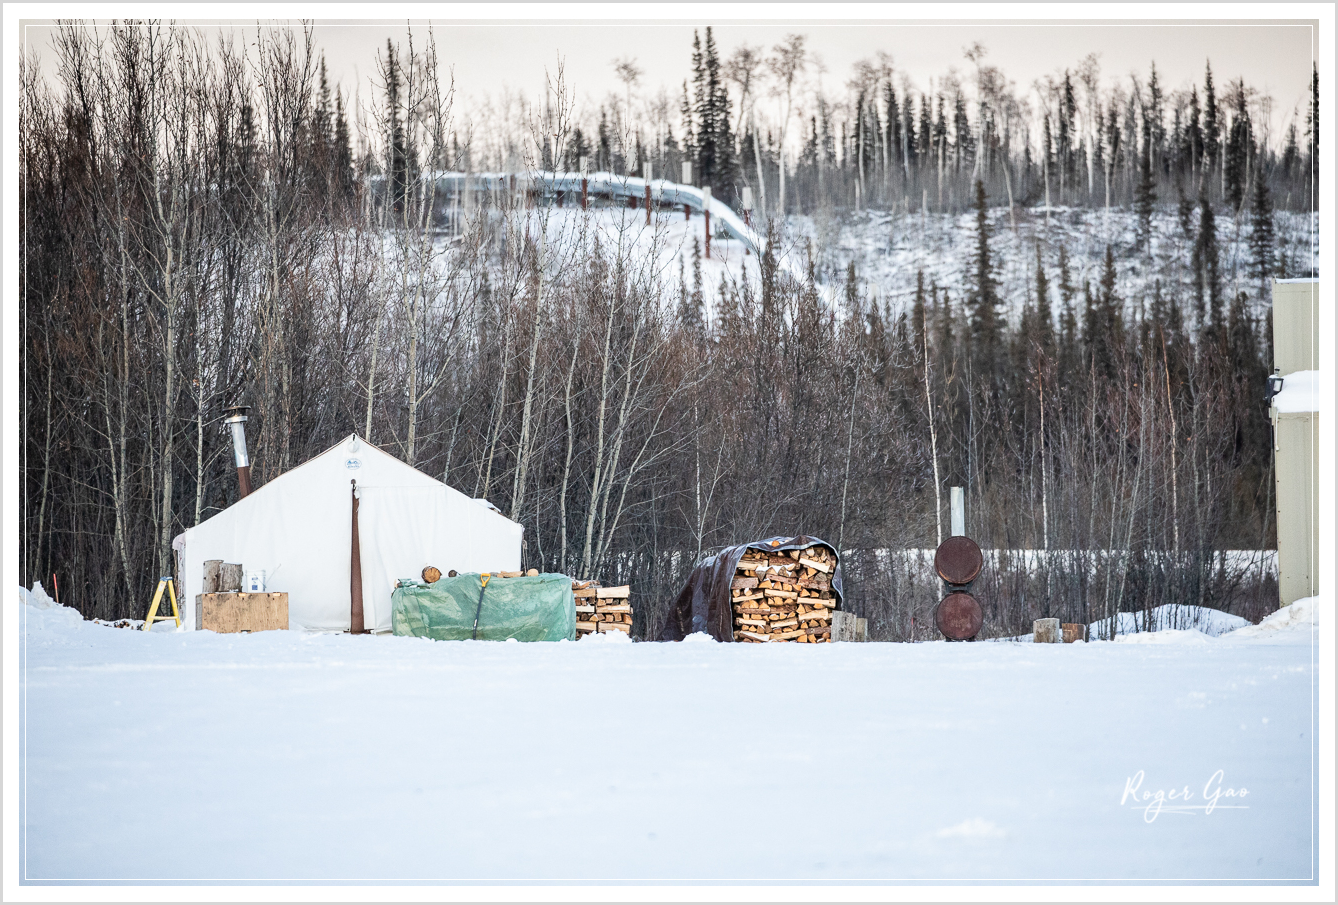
(1296, 442)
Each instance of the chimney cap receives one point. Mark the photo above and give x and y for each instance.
(236, 412)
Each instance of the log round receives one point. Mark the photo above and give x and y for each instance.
(958, 560)
(958, 616)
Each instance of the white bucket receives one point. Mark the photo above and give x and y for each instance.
(255, 581)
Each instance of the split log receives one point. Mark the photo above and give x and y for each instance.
(230, 577)
(621, 593)
(211, 569)
(1046, 631)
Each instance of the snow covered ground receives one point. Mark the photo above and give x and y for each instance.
(889, 247)
(204, 757)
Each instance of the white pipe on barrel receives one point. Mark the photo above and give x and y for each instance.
(958, 512)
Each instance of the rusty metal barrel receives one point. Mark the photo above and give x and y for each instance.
(959, 616)
(958, 560)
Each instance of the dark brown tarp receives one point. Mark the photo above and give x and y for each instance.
(703, 604)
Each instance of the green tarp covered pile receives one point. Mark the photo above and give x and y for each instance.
(528, 608)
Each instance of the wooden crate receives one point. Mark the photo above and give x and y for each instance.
(242, 611)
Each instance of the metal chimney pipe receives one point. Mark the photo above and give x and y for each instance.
(236, 422)
(958, 497)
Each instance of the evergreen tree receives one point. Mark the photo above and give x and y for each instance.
(1184, 211)
(1193, 142)
(908, 133)
(1312, 121)
(1240, 142)
(398, 163)
(577, 149)
(924, 148)
(342, 162)
(1044, 316)
(1111, 313)
(321, 128)
(1092, 323)
(918, 312)
(1262, 237)
(1206, 269)
(963, 141)
(1212, 129)
(1145, 195)
(1291, 154)
(604, 156)
(986, 319)
(1156, 123)
(892, 118)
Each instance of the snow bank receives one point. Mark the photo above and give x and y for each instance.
(44, 615)
(1173, 617)
(700, 638)
(1300, 617)
(1300, 392)
(1179, 624)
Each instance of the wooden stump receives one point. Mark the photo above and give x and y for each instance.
(230, 577)
(1074, 631)
(1046, 631)
(211, 568)
(843, 626)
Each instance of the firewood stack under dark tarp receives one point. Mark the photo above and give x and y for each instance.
(777, 589)
(785, 596)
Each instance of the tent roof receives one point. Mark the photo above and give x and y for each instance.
(413, 476)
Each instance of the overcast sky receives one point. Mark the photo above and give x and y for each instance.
(1274, 58)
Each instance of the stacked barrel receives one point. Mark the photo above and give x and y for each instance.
(958, 562)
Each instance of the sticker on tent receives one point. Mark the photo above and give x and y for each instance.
(353, 463)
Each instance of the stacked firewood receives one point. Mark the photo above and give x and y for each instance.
(600, 609)
(784, 596)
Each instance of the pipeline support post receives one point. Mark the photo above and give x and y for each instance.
(706, 212)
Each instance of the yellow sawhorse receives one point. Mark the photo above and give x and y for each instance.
(164, 582)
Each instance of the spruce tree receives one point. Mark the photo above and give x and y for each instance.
(397, 150)
(1262, 237)
(1044, 316)
(918, 311)
(1184, 211)
(925, 138)
(1145, 195)
(343, 152)
(892, 120)
(1211, 127)
(1291, 154)
(1112, 316)
(1240, 140)
(1206, 269)
(984, 301)
(1193, 134)
(1312, 133)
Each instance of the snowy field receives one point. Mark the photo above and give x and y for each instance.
(283, 756)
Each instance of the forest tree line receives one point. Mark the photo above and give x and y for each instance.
(196, 234)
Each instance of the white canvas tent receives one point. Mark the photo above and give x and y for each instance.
(298, 529)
